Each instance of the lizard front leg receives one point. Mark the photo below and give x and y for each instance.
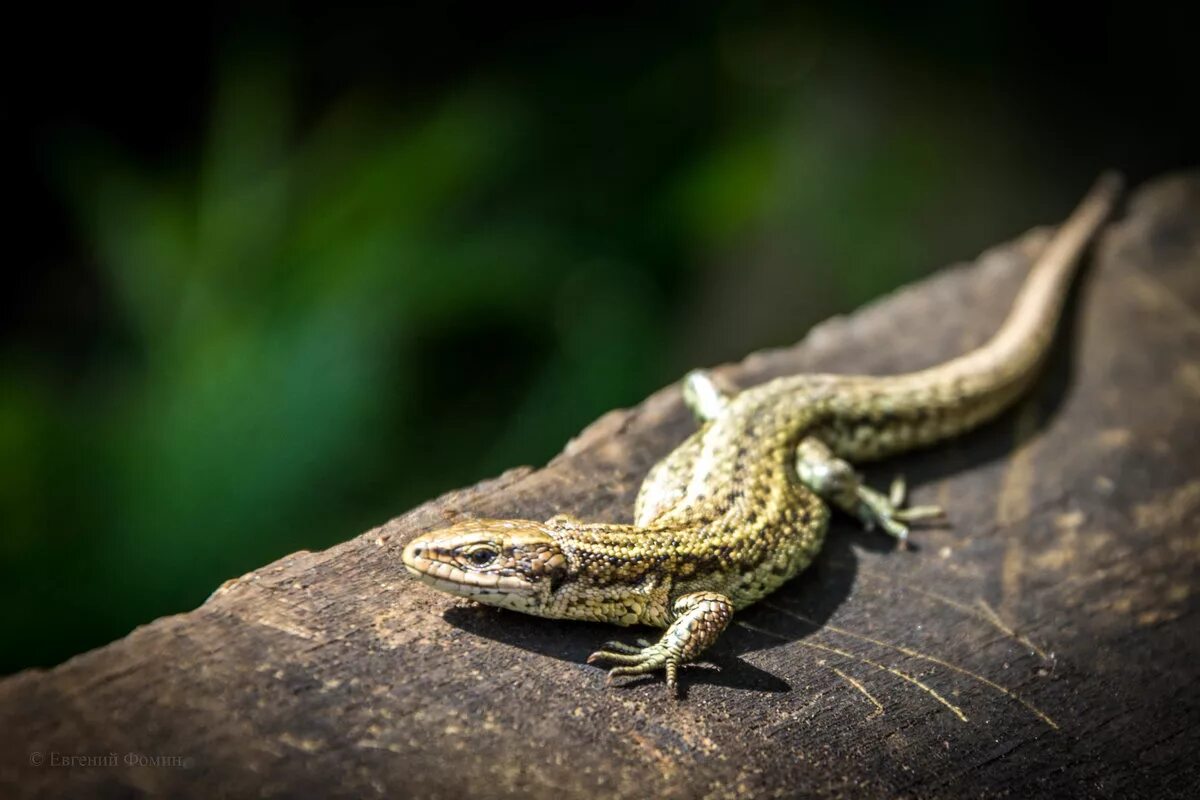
(703, 396)
(835, 480)
(697, 620)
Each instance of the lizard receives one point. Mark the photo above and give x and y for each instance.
(743, 504)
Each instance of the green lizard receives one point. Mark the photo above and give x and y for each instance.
(742, 505)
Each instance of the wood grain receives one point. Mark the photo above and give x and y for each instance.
(1047, 643)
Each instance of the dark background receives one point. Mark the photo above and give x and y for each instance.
(276, 276)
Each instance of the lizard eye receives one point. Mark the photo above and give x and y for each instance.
(482, 556)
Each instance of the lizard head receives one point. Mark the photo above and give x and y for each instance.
(514, 564)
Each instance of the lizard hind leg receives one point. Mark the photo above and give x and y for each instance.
(836, 481)
(698, 618)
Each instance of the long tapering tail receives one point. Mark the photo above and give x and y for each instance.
(934, 404)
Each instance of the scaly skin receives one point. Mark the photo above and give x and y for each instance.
(741, 506)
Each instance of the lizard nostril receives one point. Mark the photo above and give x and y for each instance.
(413, 551)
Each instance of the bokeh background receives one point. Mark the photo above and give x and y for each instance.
(276, 276)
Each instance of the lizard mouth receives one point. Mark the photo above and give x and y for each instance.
(435, 567)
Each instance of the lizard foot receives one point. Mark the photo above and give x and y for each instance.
(888, 511)
(697, 620)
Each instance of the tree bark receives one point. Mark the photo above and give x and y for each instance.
(1044, 643)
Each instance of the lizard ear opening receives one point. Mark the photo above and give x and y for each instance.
(557, 574)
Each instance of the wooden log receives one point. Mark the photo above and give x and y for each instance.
(1045, 643)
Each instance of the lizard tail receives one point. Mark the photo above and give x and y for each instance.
(1015, 352)
(936, 403)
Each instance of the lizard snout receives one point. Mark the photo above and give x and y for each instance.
(415, 556)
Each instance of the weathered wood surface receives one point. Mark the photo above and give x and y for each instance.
(1047, 643)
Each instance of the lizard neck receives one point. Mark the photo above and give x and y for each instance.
(620, 574)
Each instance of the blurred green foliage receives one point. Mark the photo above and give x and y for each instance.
(313, 319)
